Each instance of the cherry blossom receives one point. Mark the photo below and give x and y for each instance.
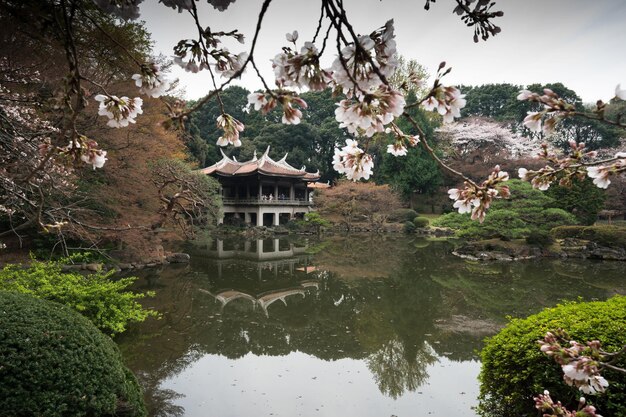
(600, 175)
(397, 149)
(476, 199)
(178, 4)
(231, 128)
(96, 158)
(533, 121)
(580, 363)
(291, 115)
(300, 70)
(620, 93)
(447, 101)
(548, 408)
(402, 141)
(150, 81)
(353, 161)
(292, 37)
(370, 115)
(227, 65)
(353, 70)
(120, 111)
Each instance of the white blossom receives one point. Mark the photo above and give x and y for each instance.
(533, 121)
(574, 374)
(600, 175)
(292, 37)
(447, 101)
(96, 158)
(369, 114)
(352, 68)
(231, 128)
(397, 149)
(524, 94)
(353, 161)
(257, 100)
(120, 111)
(151, 82)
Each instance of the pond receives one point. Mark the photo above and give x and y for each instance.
(346, 326)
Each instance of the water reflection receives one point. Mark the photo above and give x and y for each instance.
(388, 323)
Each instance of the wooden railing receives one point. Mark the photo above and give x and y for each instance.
(266, 202)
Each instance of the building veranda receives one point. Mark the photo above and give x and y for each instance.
(262, 192)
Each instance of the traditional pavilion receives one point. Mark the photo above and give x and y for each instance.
(262, 192)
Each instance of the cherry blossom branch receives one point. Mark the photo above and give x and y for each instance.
(432, 153)
(238, 73)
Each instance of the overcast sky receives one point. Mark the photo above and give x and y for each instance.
(580, 43)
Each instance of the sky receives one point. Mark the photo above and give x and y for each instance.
(580, 43)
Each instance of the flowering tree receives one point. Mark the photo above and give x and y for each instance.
(362, 73)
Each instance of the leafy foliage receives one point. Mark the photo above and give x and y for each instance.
(527, 210)
(98, 297)
(416, 172)
(56, 363)
(514, 369)
(582, 198)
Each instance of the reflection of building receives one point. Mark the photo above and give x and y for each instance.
(262, 192)
(259, 249)
(273, 255)
(286, 263)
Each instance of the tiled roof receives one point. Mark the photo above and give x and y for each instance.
(263, 165)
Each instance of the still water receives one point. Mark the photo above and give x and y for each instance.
(347, 326)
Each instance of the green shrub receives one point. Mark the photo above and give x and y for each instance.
(539, 237)
(409, 227)
(56, 363)
(527, 210)
(420, 222)
(402, 215)
(98, 297)
(610, 236)
(514, 369)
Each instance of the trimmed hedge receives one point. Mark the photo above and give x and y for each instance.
(55, 362)
(609, 236)
(514, 370)
(421, 222)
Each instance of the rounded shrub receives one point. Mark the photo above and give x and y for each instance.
(409, 227)
(402, 215)
(55, 362)
(420, 222)
(514, 369)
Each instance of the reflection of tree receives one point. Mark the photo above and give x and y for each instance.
(395, 372)
(161, 401)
